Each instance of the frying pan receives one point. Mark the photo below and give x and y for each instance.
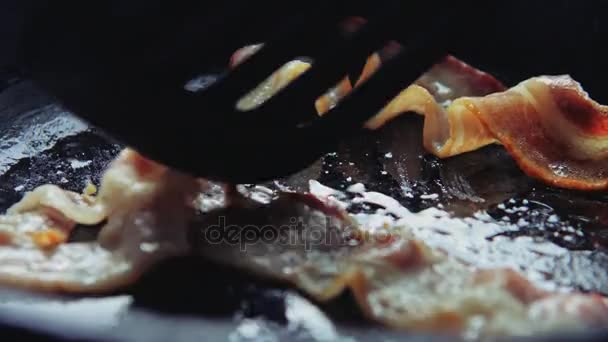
(190, 298)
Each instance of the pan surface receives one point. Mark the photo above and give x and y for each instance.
(186, 299)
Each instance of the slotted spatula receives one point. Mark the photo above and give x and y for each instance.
(122, 65)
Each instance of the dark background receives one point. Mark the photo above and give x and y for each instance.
(525, 37)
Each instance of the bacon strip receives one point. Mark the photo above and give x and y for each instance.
(550, 126)
(396, 279)
(146, 208)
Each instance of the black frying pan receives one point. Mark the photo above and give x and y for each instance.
(189, 298)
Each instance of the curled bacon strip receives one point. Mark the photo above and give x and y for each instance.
(449, 128)
(550, 126)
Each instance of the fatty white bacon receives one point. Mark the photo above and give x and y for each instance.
(396, 279)
(145, 208)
